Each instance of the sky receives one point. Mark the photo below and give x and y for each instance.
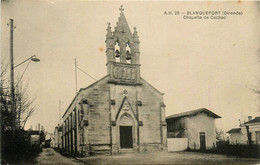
(196, 63)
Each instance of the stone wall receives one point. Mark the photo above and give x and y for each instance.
(97, 112)
(97, 134)
(152, 114)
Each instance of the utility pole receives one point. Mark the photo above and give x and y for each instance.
(12, 83)
(76, 75)
(209, 95)
(60, 111)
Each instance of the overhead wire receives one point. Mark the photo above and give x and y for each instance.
(86, 73)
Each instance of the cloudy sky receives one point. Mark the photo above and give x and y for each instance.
(196, 63)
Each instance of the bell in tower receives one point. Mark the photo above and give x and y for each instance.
(122, 50)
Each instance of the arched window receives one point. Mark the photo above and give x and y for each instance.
(128, 53)
(117, 52)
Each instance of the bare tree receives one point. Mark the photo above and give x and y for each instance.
(256, 90)
(23, 104)
(5, 100)
(220, 135)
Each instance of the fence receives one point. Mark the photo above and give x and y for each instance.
(177, 144)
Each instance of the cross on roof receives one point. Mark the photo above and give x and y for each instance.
(121, 8)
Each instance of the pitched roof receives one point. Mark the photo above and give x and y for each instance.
(122, 24)
(151, 86)
(234, 130)
(80, 92)
(193, 112)
(255, 120)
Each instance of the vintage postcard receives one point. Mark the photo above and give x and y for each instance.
(130, 82)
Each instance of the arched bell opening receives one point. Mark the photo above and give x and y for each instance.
(128, 54)
(117, 51)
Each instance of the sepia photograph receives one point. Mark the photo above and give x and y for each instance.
(130, 82)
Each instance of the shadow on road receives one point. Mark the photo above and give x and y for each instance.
(20, 158)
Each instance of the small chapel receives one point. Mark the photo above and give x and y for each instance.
(121, 112)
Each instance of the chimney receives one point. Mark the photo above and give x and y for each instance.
(249, 118)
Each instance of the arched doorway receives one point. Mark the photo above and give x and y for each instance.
(126, 131)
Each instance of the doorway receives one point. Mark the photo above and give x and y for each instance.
(126, 138)
(202, 141)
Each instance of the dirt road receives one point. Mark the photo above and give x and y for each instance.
(50, 157)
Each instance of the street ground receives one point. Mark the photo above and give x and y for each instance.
(168, 158)
(50, 157)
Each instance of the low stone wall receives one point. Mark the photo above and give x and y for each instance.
(177, 144)
(151, 147)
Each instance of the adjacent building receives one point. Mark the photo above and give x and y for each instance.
(121, 112)
(251, 128)
(57, 137)
(235, 136)
(198, 126)
(248, 131)
(34, 138)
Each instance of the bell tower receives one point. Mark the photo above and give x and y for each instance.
(122, 51)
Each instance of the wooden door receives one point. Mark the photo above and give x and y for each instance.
(126, 138)
(202, 141)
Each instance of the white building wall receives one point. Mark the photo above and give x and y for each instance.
(56, 136)
(253, 129)
(201, 123)
(235, 138)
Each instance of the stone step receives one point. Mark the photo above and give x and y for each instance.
(131, 150)
(101, 152)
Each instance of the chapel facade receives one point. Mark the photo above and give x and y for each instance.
(120, 112)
